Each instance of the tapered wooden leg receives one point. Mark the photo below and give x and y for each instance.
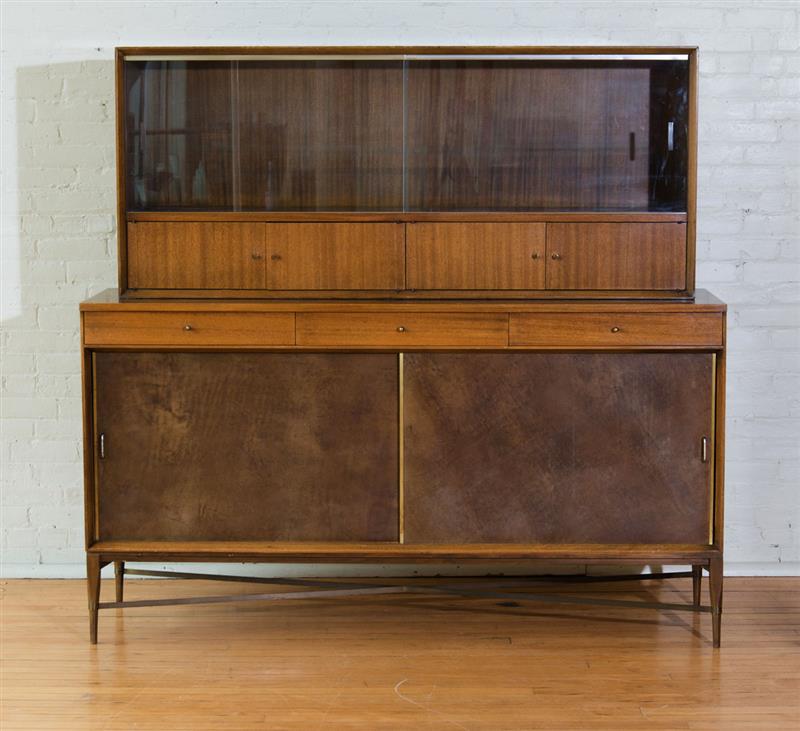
(697, 584)
(93, 587)
(119, 578)
(715, 592)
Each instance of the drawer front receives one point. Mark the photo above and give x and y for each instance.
(612, 329)
(329, 256)
(192, 255)
(186, 329)
(402, 330)
(616, 256)
(476, 255)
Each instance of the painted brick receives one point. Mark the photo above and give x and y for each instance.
(60, 141)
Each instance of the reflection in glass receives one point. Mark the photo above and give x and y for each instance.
(511, 134)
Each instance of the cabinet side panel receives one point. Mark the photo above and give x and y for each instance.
(245, 446)
(556, 448)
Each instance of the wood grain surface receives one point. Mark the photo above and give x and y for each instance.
(325, 256)
(475, 255)
(196, 255)
(616, 256)
(400, 663)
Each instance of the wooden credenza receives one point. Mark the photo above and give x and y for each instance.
(301, 431)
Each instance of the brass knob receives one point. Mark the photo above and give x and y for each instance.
(276, 257)
(615, 329)
(401, 329)
(256, 256)
(535, 255)
(556, 256)
(187, 327)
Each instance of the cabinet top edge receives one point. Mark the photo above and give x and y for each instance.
(109, 299)
(399, 52)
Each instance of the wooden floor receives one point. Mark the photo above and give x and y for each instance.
(404, 662)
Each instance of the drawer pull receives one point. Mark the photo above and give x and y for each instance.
(187, 327)
(704, 449)
(401, 329)
(556, 257)
(615, 329)
(276, 257)
(256, 256)
(535, 255)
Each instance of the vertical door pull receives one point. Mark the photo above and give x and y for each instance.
(102, 445)
(670, 136)
(704, 449)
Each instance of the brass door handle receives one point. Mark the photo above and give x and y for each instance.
(401, 329)
(187, 327)
(535, 255)
(556, 256)
(615, 329)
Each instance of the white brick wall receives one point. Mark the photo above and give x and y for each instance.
(59, 230)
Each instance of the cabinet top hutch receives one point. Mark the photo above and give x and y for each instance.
(407, 172)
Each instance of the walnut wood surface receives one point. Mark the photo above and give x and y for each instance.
(189, 329)
(196, 255)
(247, 446)
(548, 448)
(703, 301)
(617, 329)
(324, 256)
(394, 330)
(475, 255)
(352, 552)
(616, 256)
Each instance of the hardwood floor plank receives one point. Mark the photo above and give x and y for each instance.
(402, 662)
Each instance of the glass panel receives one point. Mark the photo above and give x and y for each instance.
(546, 135)
(265, 135)
(389, 135)
(178, 135)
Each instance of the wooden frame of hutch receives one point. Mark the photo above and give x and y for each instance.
(679, 283)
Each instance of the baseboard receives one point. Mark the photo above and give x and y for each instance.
(78, 571)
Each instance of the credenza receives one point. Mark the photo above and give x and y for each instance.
(252, 431)
(405, 305)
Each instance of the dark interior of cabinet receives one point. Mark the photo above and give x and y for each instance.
(415, 135)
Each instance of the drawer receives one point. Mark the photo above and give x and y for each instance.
(615, 329)
(182, 329)
(417, 329)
